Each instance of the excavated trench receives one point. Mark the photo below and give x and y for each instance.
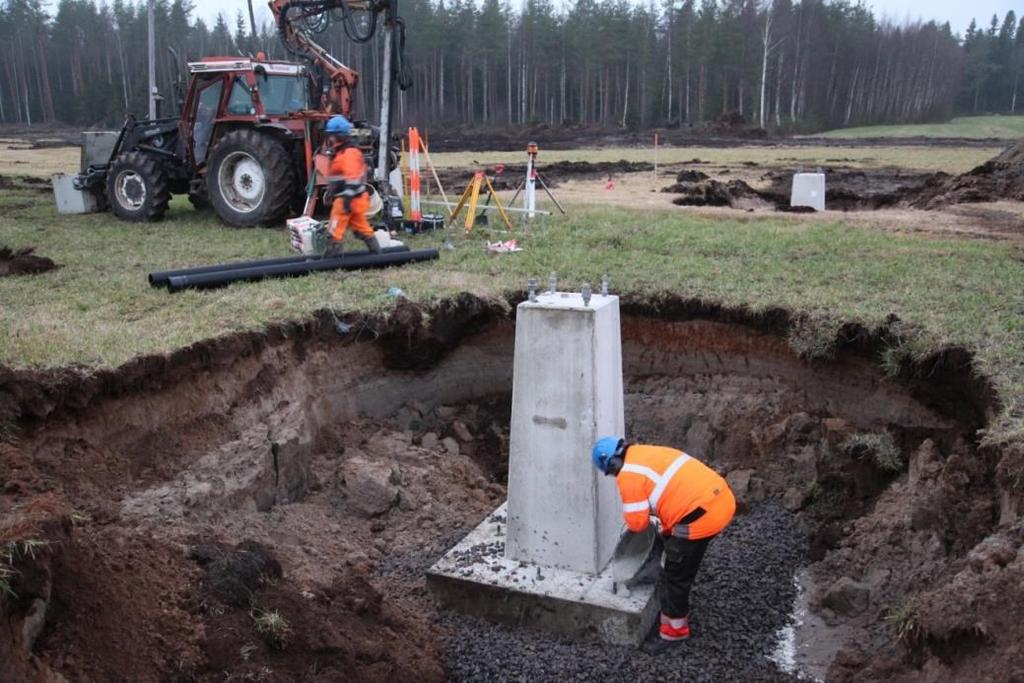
(264, 507)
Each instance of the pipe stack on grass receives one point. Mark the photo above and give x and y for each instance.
(208, 277)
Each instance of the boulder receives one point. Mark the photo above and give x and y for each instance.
(995, 552)
(429, 441)
(794, 499)
(450, 445)
(370, 485)
(745, 486)
(461, 431)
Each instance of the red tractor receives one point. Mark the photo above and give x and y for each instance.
(246, 140)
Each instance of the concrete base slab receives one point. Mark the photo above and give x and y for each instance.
(476, 578)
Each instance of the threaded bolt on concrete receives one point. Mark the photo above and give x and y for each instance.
(553, 283)
(586, 293)
(531, 289)
(604, 285)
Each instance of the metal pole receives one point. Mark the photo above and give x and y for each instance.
(530, 200)
(385, 112)
(152, 60)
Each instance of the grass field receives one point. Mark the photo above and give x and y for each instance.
(977, 127)
(97, 310)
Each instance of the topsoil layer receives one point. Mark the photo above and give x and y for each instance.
(264, 507)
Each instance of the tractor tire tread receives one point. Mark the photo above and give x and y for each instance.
(157, 187)
(280, 174)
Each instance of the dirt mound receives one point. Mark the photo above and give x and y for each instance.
(32, 538)
(23, 262)
(846, 189)
(691, 176)
(709, 192)
(852, 189)
(999, 178)
(344, 631)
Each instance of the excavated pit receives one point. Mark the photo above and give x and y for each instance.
(266, 506)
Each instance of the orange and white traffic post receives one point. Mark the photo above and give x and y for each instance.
(415, 208)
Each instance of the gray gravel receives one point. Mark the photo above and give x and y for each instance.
(742, 596)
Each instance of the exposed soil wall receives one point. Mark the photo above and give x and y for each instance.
(244, 506)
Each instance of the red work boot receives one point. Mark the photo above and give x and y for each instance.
(671, 632)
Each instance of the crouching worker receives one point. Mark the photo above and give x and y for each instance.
(346, 184)
(692, 504)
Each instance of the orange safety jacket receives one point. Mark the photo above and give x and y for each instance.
(675, 487)
(348, 167)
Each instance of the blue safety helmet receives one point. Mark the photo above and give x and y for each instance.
(338, 125)
(606, 449)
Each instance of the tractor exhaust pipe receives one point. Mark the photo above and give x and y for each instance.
(360, 261)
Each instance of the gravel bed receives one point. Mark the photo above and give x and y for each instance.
(742, 597)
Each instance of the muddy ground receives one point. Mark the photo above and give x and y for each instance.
(987, 201)
(23, 261)
(857, 189)
(263, 507)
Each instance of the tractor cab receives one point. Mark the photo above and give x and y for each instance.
(225, 93)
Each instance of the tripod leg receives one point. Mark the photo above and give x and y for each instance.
(545, 186)
(519, 188)
(497, 202)
(471, 214)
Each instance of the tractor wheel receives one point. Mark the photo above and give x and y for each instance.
(137, 187)
(251, 179)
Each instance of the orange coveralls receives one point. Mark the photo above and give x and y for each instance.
(348, 166)
(693, 503)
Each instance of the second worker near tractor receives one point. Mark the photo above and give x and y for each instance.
(692, 504)
(347, 185)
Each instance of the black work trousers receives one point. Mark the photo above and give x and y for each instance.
(682, 560)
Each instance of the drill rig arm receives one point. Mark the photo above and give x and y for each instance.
(297, 19)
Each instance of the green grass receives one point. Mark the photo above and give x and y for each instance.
(98, 311)
(1004, 127)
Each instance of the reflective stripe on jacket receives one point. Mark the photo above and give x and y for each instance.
(670, 484)
(348, 165)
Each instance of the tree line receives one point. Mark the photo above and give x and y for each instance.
(785, 64)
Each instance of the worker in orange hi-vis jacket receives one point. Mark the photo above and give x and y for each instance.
(692, 504)
(346, 184)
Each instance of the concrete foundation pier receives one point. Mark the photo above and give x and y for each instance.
(541, 560)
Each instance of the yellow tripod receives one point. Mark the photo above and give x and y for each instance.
(472, 195)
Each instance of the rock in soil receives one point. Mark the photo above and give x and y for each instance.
(847, 597)
(370, 485)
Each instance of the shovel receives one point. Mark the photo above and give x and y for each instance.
(637, 558)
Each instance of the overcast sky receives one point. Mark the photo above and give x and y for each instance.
(958, 12)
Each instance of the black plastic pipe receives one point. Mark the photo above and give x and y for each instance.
(356, 261)
(160, 279)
